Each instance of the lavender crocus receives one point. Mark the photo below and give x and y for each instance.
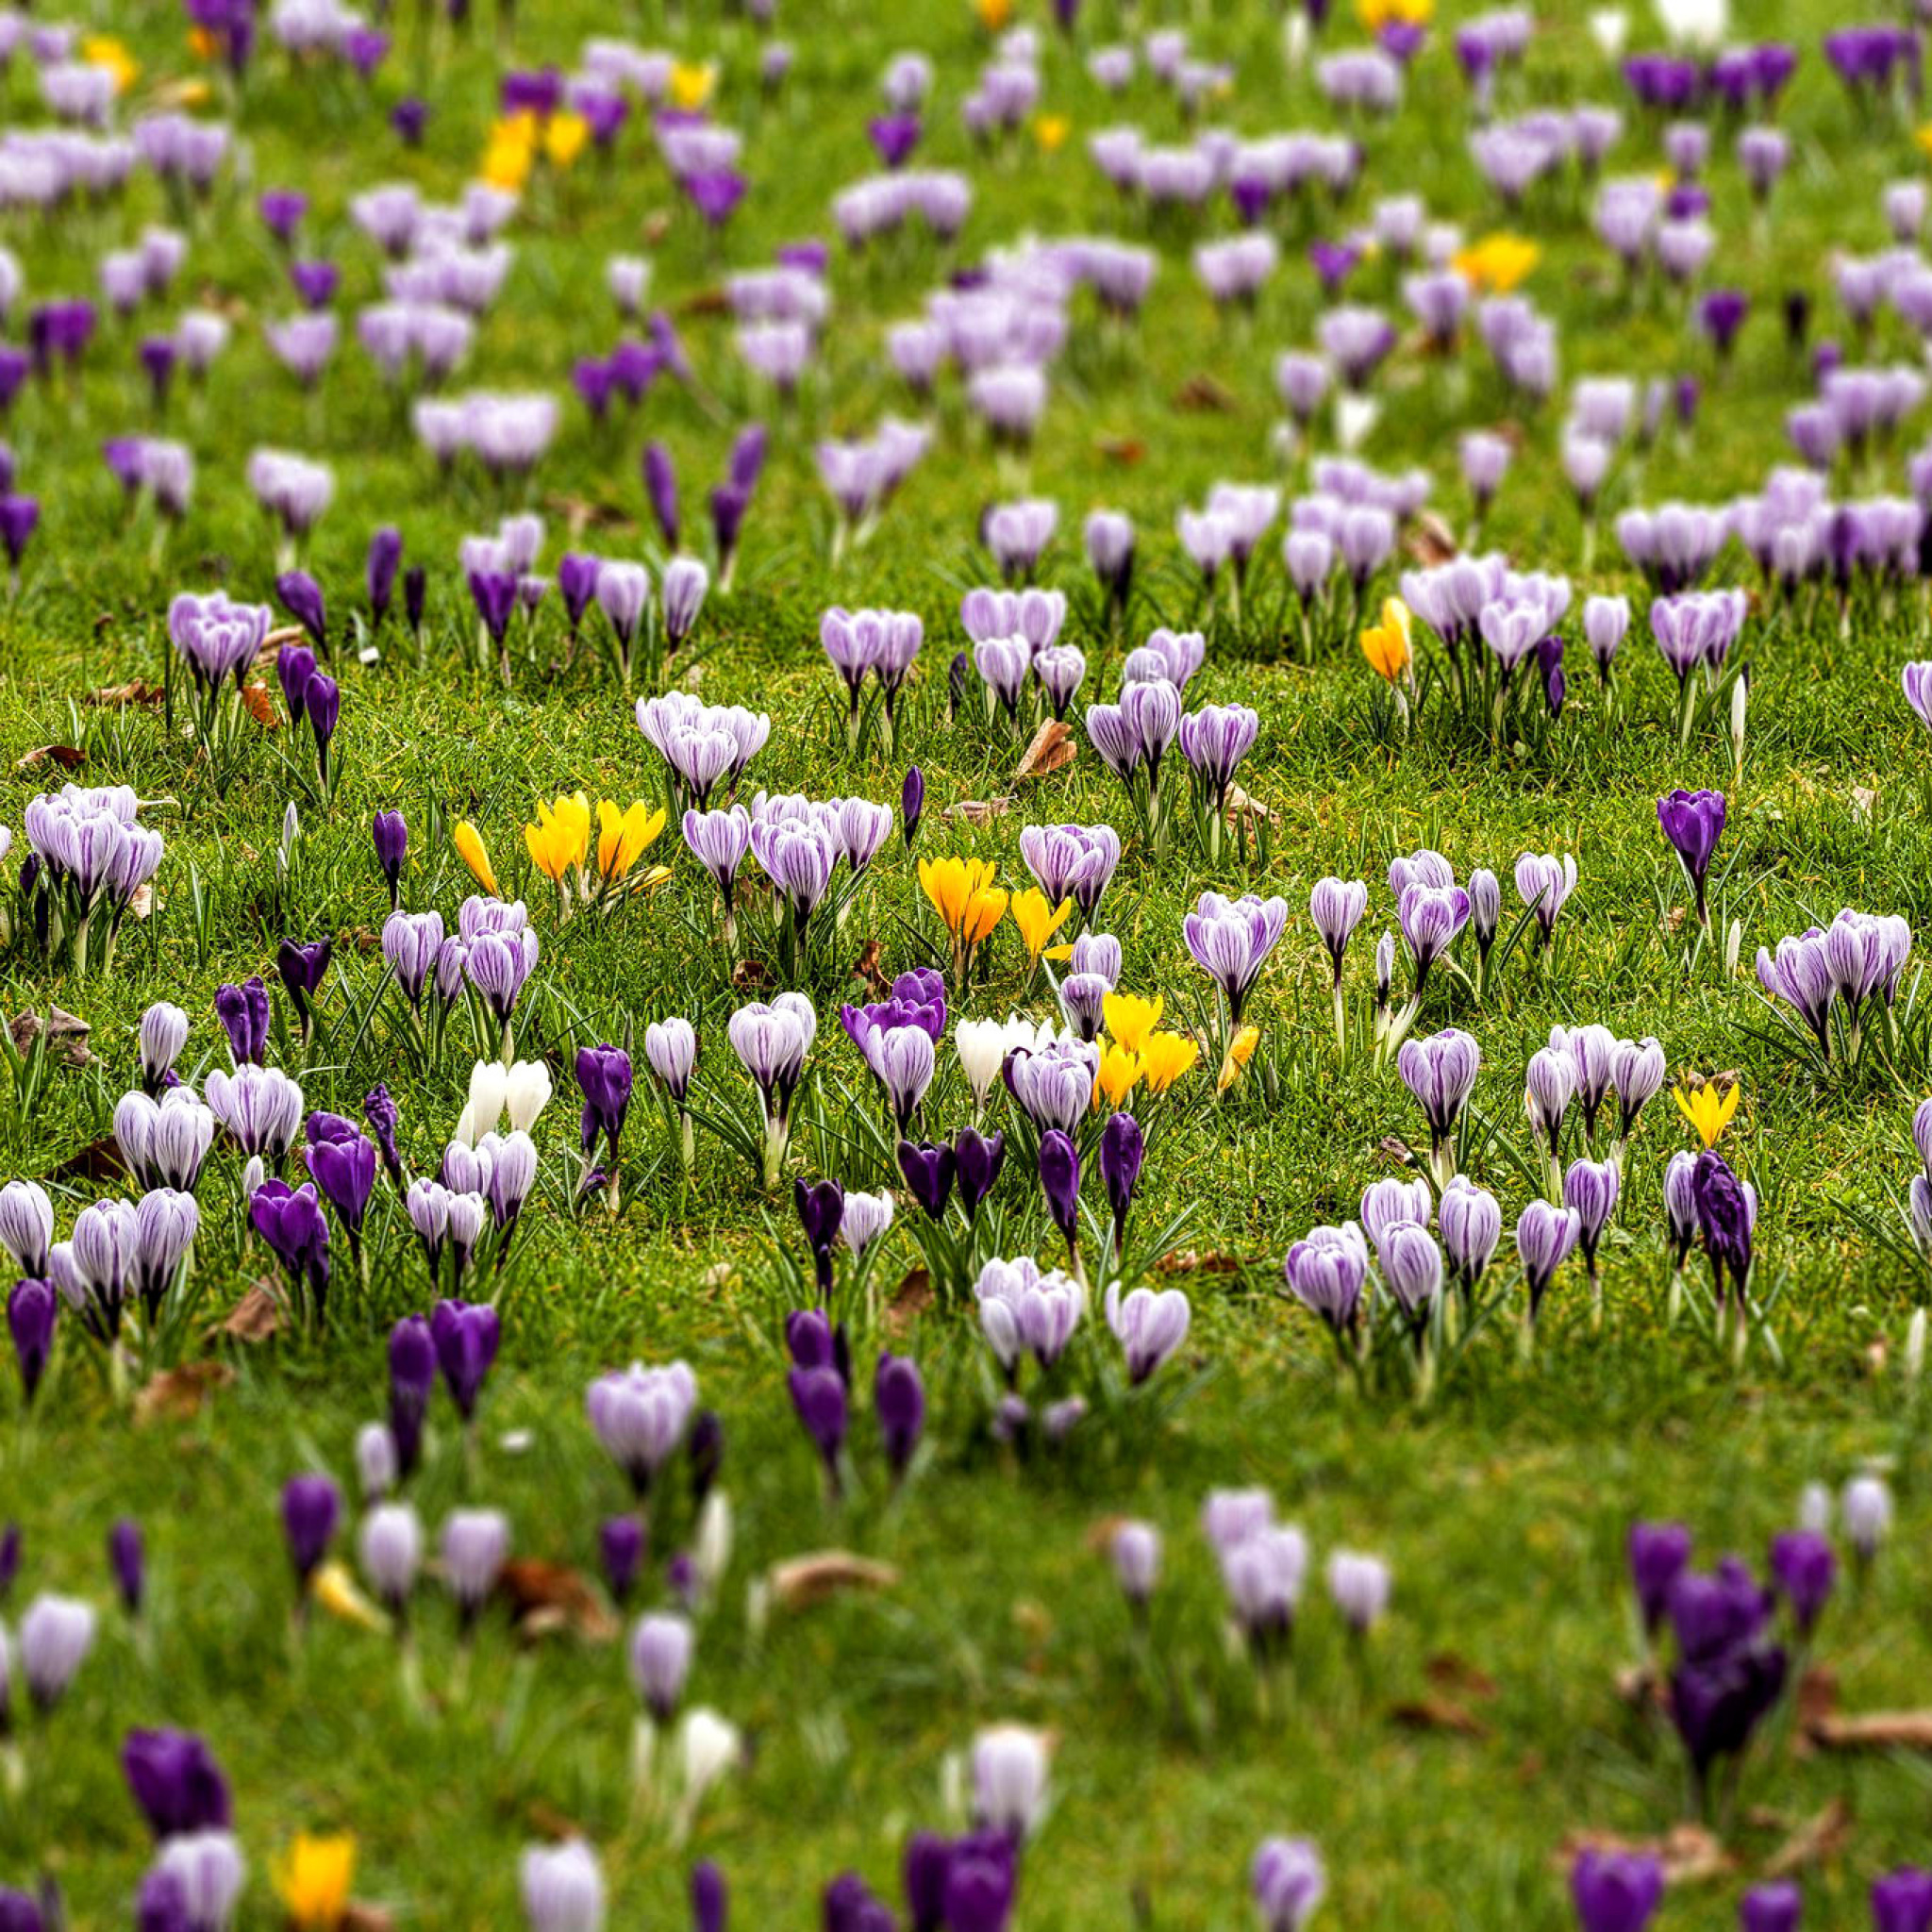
(1694, 822)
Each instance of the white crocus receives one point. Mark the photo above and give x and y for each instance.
(1354, 418)
(527, 1093)
(489, 1085)
(1702, 24)
(707, 1746)
(1610, 26)
(981, 1045)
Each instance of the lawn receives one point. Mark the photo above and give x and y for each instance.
(1447, 1764)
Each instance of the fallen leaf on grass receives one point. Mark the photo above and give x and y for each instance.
(549, 1598)
(136, 692)
(70, 758)
(1439, 1714)
(1122, 449)
(1053, 748)
(98, 1161)
(1687, 1852)
(976, 811)
(361, 1918)
(546, 1821)
(1239, 805)
(260, 706)
(1814, 1841)
(66, 1035)
(581, 513)
(1863, 799)
(177, 1395)
(706, 302)
(1203, 391)
(275, 639)
(1430, 541)
(911, 1299)
(1448, 1671)
(801, 1581)
(256, 1317)
(866, 967)
(748, 973)
(1192, 1261)
(1878, 1730)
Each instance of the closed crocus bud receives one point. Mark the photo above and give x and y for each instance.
(377, 1466)
(1360, 1586)
(1289, 1882)
(127, 1559)
(1009, 1769)
(661, 1645)
(977, 1161)
(311, 1508)
(411, 1381)
(33, 1308)
(164, 1035)
(174, 1778)
(899, 1402)
(1134, 1550)
(294, 668)
(385, 558)
(415, 597)
(1660, 1554)
(301, 597)
(1774, 1908)
(475, 1544)
(56, 1635)
(709, 1898)
(390, 1548)
(562, 1888)
(1059, 1181)
(26, 1226)
(1615, 1892)
(1485, 908)
(818, 1394)
(911, 804)
(621, 1541)
(1122, 1150)
(1865, 1510)
(392, 838)
(1803, 1570)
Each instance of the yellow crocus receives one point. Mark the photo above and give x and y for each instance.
(1376, 14)
(334, 1589)
(693, 83)
(1707, 1107)
(1497, 263)
(1164, 1057)
(312, 1879)
(1240, 1050)
(560, 837)
(984, 911)
(624, 837)
(1038, 921)
(103, 50)
(202, 43)
(993, 14)
(951, 883)
(1386, 644)
(1119, 1073)
(1922, 136)
(565, 137)
(1130, 1019)
(470, 850)
(1051, 131)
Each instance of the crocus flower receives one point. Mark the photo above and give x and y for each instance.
(1289, 1882)
(127, 1562)
(1544, 1237)
(1692, 821)
(899, 1401)
(1151, 1326)
(1660, 1554)
(176, 1781)
(1615, 1892)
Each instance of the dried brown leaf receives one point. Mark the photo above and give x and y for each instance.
(177, 1395)
(749, 973)
(1448, 1671)
(70, 758)
(1816, 1841)
(1192, 1261)
(1126, 450)
(1439, 1714)
(1202, 392)
(256, 1316)
(800, 1582)
(136, 692)
(362, 1918)
(1430, 541)
(260, 706)
(66, 1035)
(547, 1821)
(1053, 748)
(1878, 1730)
(976, 811)
(582, 513)
(1241, 805)
(910, 1300)
(99, 1161)
(711, 301)
(546, 1599)
(866, 967)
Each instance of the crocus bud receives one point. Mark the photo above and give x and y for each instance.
(128, 1558)
(899, 1400)
(32, 1311)
(1122, 1150)
(385, 556)
(1059, 1181)
(621, 1546)
(392, 836)
(415, 597)
(911, 804)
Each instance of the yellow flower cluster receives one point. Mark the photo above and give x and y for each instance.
(561, 846)
(103, 50)
(1136, 1053)
(1037, 922)
(967, 901)
(1376, 14)
(1497, 263)
(518, 141)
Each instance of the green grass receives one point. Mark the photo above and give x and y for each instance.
(1503, 1508)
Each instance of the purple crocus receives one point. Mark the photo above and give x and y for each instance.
(898, 1396)
(1660, 1554)
(302, 599)
(1059, 1181)
(1615, 1892)
(1803, 1570)
(391, 836)
(128, 1563)
(174, 1778)
(291, 1220)
(1694, 822)
(412, 1356)
(821, 1209)
(311, 1509)
(33, 1310)
(1123, 1149)
(465, 1335)
(928, 1170)
(819, 1396)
